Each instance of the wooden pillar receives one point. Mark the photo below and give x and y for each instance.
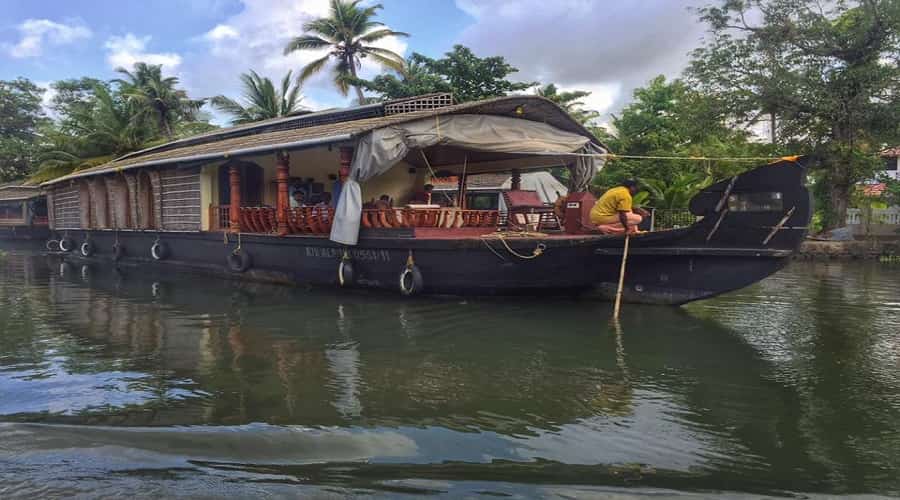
(234, 213)
(282, 174)
(461, 193)
(516, 181)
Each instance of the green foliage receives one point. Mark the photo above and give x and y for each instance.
(678, 192)
(460, 71)
(347, 33)
(21, 117)
(261, 99)
(98, 121)
(668, 118)
(155, 97)
(570, 101)
(824, 74)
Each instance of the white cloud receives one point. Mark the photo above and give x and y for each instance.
(37, 32)
(608, 48)
(124, 51)
(221, 32)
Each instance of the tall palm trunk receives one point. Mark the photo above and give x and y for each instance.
(359, 93)
(164, 125)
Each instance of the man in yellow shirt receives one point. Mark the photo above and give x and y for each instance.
(613, 212)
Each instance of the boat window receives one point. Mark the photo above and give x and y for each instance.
(482, 201)
(755, 202)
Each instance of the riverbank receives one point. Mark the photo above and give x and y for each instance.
(846, 250)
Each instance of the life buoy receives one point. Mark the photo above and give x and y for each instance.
(159, 251)
(66, 244)
(346, 272)
(239, 261)
(411, 281)
(87, 249)
(118, 251)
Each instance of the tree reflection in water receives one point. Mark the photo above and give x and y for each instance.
(521, 380)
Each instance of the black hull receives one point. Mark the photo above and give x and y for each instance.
(38, 233)
(722, 252)
(583, 267)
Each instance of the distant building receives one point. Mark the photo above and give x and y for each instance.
(891, 159)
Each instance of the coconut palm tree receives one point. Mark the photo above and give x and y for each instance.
(101, 131)
(156, 97)
(570, 101)
(261, 99)
(347, 32)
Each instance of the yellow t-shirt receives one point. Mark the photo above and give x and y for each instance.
(610, 204)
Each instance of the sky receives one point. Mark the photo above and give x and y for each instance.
(608, 47)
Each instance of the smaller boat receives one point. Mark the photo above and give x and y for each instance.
(23, 212)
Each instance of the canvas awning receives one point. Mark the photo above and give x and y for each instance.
(379, 150)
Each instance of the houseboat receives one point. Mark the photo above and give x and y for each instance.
(23, 212)
(340, 198)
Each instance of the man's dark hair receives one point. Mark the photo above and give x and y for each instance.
(630, 183)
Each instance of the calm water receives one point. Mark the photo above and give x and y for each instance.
(141, 384)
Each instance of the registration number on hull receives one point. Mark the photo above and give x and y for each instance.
(361, 254)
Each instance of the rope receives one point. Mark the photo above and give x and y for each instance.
(237, 249)
(537, 252)
(433, 174)
(613, 156)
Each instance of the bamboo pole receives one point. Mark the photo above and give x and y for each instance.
(621, 278)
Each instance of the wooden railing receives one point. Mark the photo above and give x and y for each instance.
(429, 217)
(303, 220)
(310, 220)
(317, 220)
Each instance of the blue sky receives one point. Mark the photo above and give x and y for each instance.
(602, 46)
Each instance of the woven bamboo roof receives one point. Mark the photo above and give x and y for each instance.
(15, 191)
(211, 147)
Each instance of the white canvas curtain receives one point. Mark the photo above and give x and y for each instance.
(381, 149)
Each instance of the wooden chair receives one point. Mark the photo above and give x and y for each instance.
(521, 204)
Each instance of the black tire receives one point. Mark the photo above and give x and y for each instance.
(239, 262)
(52, 245)
(346, 273)
(67, 244)
(411, 281)
(118, 251)
(87, 249)
(159, 251)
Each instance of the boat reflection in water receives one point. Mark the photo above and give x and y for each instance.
(274, 384)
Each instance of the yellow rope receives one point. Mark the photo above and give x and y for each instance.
(537, 252)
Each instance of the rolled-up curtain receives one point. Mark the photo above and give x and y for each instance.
(379, 150)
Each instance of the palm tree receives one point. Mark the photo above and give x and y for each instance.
(677, 192)
(262, 99)
(347, 33)
(100, 132)
(569, 101)
(156, 97)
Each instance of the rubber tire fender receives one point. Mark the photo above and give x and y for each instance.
(66, 244)
(118, 251)
(159, 251)
(346, 273)
(239, 262)
(411, 281)
(87, 249)
(50, 244)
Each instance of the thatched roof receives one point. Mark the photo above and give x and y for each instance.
(247, 140)
(16, 191)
